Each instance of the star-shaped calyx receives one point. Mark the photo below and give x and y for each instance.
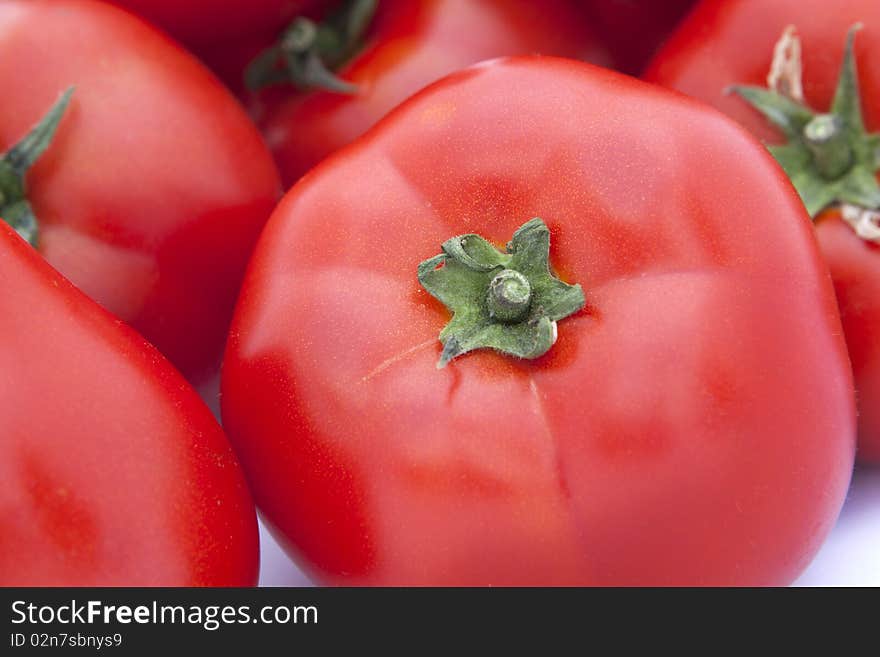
(508, 301)
(830, 158)
(15, 208)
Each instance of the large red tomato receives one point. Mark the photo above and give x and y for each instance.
(693, 424)
(156, 185)
(733, 42)
(112, 470)
(406, 46)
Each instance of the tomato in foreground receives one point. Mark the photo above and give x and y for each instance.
(152, 192)
(693, 423)
(727, 43)
(112, 470)
(382, 59)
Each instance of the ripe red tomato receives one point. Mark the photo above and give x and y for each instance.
(112, 470)
(634, 29)
(732, 42)
(156, 185)
(672, 434)
(407, 46)
(198, 23)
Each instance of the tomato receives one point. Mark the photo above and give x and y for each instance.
(724, 43)
(197, 23)
(155, 186)
(408, 45)
(113, 471)
(634, 29)
(693, 424)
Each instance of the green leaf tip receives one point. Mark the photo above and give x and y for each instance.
(830, 157)
(15, 209)
(309, 52)
(508, 300)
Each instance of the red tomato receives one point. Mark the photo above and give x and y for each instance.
(198, 23)
(634, 29)
(729, 42)
(113, 472)
(408, 45)
(672, 434)
(725, 42)
(156, 185)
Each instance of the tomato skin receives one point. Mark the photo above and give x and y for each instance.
(855, 270)
(113, 471)
(634, 29)
(156, 185)
(409, 45)
(723, 43)
(196, 24)
(673, 433)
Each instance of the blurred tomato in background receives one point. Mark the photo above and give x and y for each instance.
(634, 29)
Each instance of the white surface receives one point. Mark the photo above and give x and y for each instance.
(850, 556)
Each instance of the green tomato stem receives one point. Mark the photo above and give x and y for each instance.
(830, 157)
(14, 164)
(825, 136)
(508, 301)
(308, 52)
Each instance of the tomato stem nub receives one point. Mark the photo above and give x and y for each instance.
(830, 157)
(508, 301)
(825, 136)
(309, 52)
(509, 296)
(14, 164)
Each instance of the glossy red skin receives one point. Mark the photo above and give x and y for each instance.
(693, 425)
(729, 42)
(409, 45)
(156, 186)
(112, 470)
(855, 270)
(203, 22)
(634, 29)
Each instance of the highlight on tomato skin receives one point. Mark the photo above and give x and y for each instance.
(156, 184)
(693, 423)
(112, 471)
(747, 39)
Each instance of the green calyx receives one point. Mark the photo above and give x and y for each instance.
(508, 301)
(14, 164)
(309, 52)
(830, 157)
